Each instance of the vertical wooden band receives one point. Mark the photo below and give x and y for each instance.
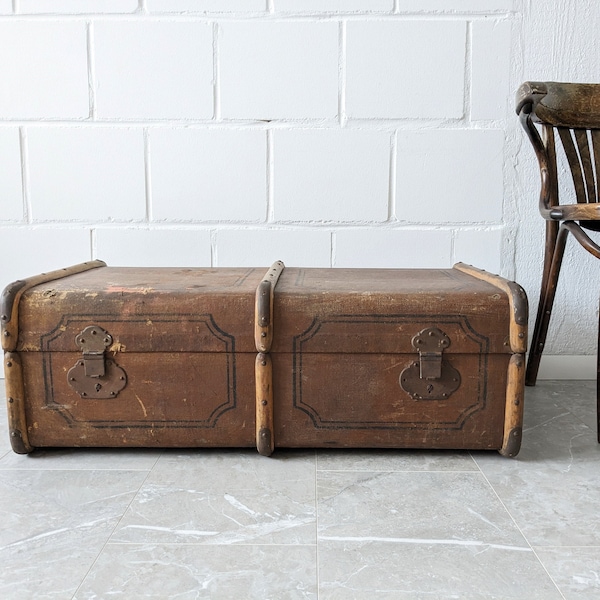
(13, 369)
(515, 386)
(15, 400)
(263, 339)
(263, 308)
(265, 442)
(513, 412)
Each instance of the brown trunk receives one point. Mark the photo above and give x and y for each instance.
(297, 358)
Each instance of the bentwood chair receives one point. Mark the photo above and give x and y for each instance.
(571, 113)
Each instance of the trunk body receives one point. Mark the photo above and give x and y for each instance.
(156, 357)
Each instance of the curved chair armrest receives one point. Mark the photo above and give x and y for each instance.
(528, 98)
(573, 212)
(529, 95)
(573, 105)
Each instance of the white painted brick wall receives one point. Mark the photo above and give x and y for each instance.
(255, 247)
(205, 6)
(153, 70)
(43, 70)
(85, 174)
(208, 175)
(480, 247)
(76, 6)
(455, 6)
(33, 250)
(153, 247)
(341, 133)
(331, 175)
(400, 69)
(401, 249)
(278, 70)
(450, 176)
(334, 6)
(11, 190)
(491, 54)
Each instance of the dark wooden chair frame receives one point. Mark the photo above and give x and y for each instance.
(571, 110)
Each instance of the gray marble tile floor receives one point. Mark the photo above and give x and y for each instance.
(228, 524)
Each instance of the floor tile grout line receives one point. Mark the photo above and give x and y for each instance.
(546, 570)
(522, 533)
(115, 527)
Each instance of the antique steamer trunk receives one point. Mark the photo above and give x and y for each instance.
(153, 357)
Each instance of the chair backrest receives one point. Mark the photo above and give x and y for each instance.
(571, 110)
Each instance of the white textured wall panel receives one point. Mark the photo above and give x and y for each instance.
(479, 247)
(455, 6)
(405, 69)
(273, 70)
(153, 70)
(43, 70)
(334, 6)
(11, 191)
(47, 250)
(262, 247)
(450, 176)
(391, 249)
(208, 175)
(206, 6)
(86, 174)
(491, 96)
(338, 176)
(76, 6)
(153, 247)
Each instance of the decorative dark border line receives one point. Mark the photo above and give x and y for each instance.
(319, 423)
(208, 319)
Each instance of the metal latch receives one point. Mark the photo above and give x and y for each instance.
(430, 344)
(93, 341)
(95, 375)
(431, 378)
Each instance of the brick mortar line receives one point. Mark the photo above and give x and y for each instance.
(392, 178)
(148, 175)
(468, 72)
(91, 70)
(258, 17)
(93, 244)
(216, 73)
(332, 227)
(376, 124)
(270, 212)
(26, 199)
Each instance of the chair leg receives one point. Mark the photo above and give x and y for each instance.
(556, 239)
